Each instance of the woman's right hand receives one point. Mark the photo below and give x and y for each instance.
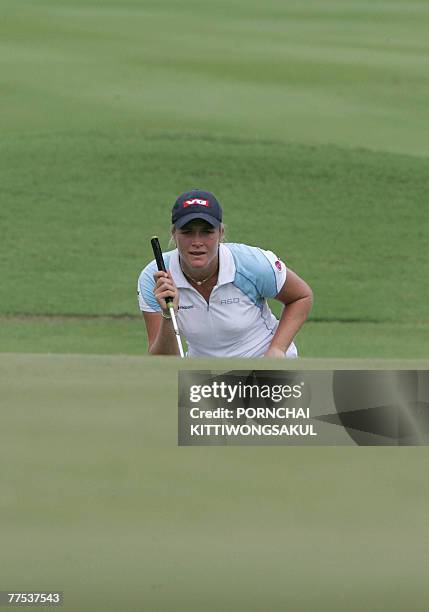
(165, 287)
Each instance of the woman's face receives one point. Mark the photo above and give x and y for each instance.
(198, 243)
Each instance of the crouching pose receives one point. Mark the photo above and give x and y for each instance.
(219, 291)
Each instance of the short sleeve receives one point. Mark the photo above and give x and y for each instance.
(259, 274)
(273, 281)
(145, 287)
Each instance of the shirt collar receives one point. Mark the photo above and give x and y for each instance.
(226, 268)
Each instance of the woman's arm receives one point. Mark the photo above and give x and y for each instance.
(160, 332)
(297, 297)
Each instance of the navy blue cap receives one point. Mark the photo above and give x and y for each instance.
(196, 204)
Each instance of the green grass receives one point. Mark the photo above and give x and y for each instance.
(104, 336)
(307, 120)
(101, 503)
(348, 72)
(77, 223)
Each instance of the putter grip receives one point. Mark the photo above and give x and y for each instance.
(156, 247)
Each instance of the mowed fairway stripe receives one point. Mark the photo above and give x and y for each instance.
(352, 74)
(123, 519)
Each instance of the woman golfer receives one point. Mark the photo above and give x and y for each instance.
(219, 291)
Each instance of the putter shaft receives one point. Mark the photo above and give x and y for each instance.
(156, 247)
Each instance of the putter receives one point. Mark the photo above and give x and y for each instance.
(156, 247)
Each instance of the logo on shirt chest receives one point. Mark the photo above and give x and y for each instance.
(186, 307)
(230, 300)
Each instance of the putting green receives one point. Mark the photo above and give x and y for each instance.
(97, 500)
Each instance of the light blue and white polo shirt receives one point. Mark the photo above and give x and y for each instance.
(237, 321)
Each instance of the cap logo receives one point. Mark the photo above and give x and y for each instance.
(278, 265)
(195, 201)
